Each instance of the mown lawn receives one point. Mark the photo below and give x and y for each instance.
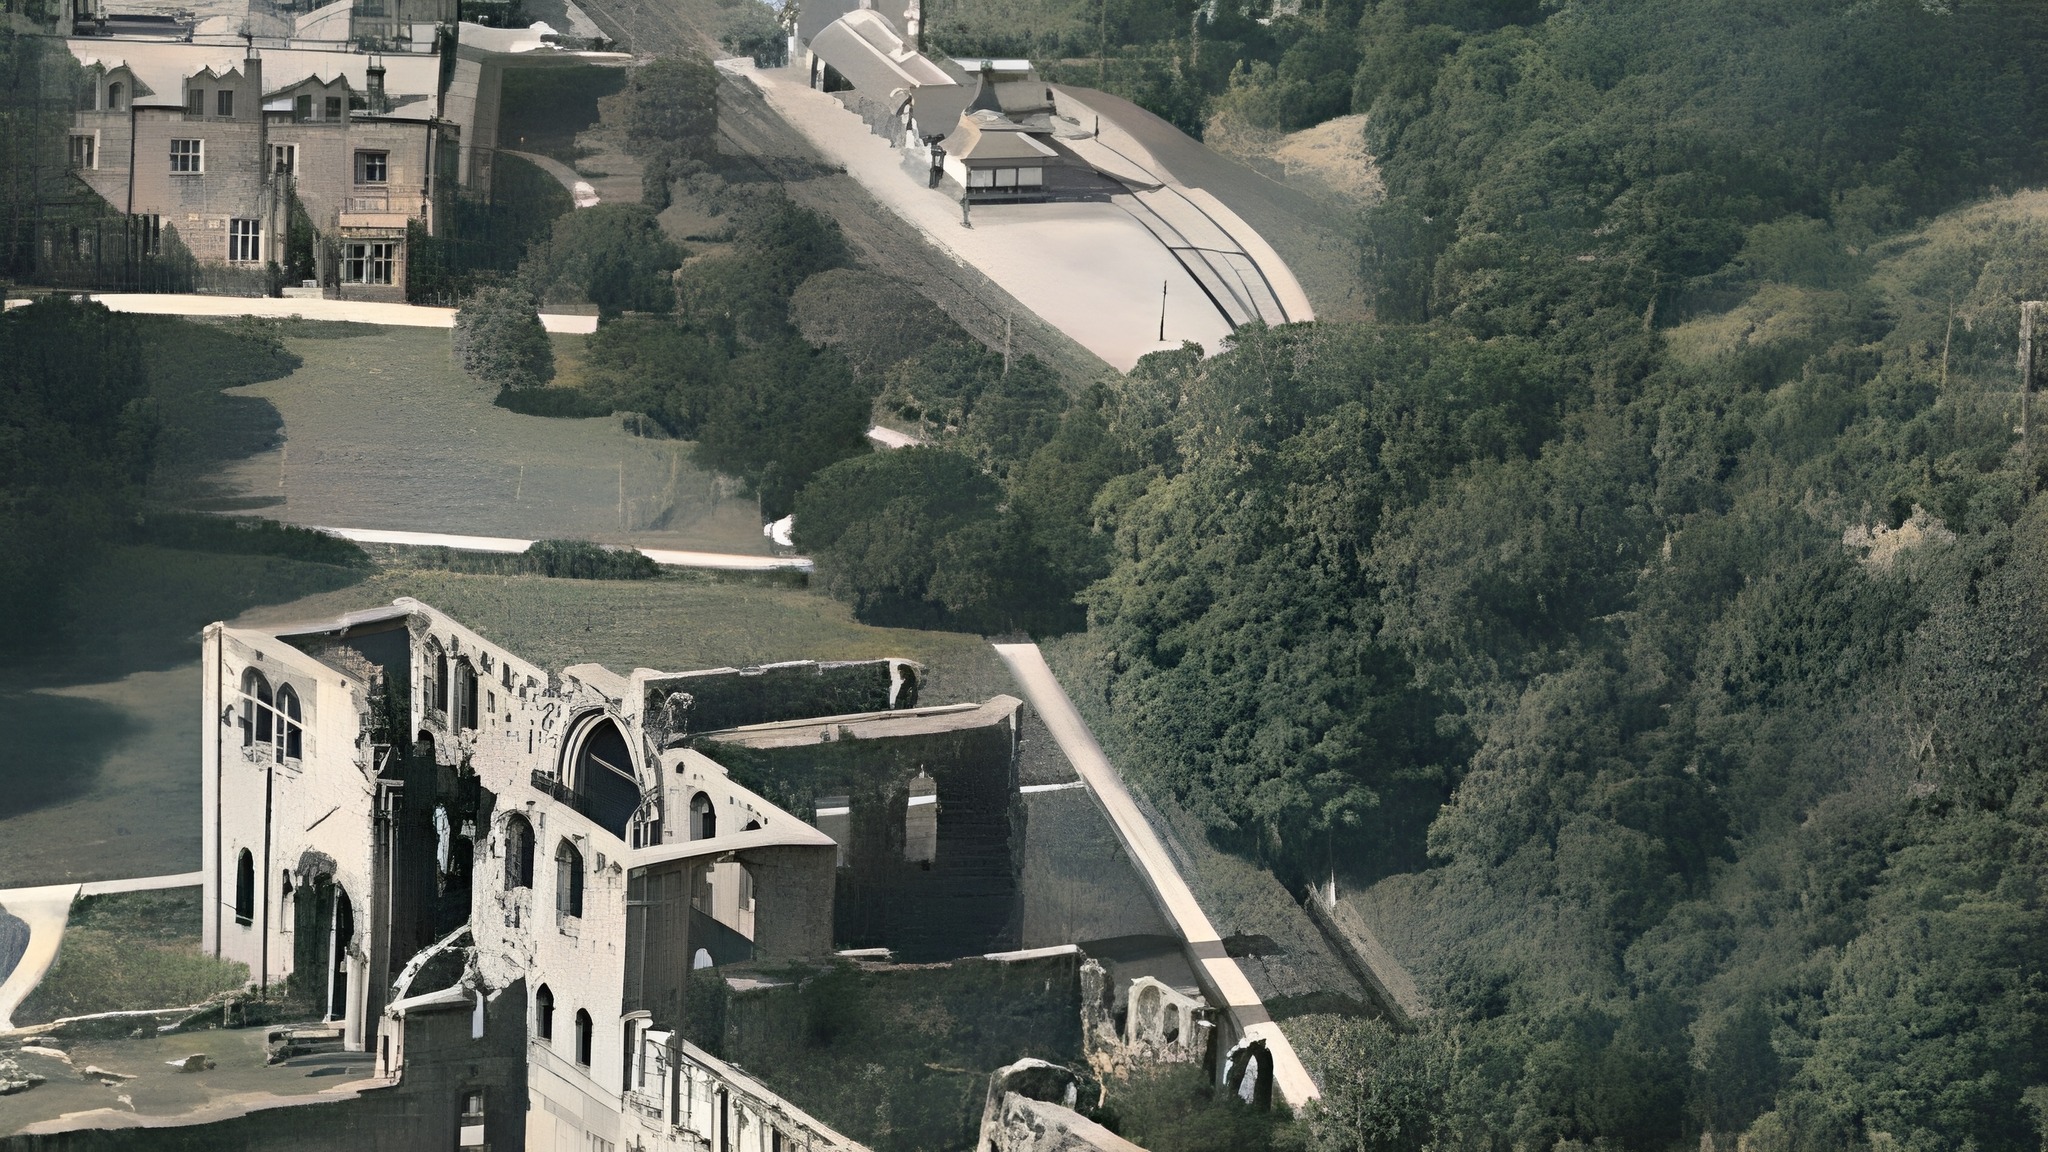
(383, 430)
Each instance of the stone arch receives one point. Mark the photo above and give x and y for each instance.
(598, 763)
(1145, 1014)
(703, 817)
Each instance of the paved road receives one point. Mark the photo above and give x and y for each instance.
(728, 561)
(45, 910)
(310, 308)
(1176, 900)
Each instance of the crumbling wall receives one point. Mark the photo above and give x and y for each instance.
(898, 1056)
(690, 703)
(1027, 1125)
(968, 899)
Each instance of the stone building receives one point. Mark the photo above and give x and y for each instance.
(438, 843)
(216, 142)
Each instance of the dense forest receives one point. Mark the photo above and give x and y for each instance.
(1650, 606)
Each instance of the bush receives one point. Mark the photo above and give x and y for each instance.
(197, 532)
(583, 560)
(499, 339)
(573, 403)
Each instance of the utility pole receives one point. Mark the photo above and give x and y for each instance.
(1162, 311)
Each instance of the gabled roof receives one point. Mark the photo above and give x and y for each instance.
(163, 67)
(864, 47)
(990, 136)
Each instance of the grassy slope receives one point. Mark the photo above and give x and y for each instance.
(132, 950)
(383, 431)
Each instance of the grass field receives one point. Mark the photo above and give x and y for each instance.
(382, 430)
(129, 951)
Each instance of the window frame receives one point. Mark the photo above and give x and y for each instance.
(245, 240)
(373, 167)
(192, 160)
(289, 154)
(224, 103)
(195, 103)
(91, 140)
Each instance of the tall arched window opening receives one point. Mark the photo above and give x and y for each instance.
(465, 694)
(289, 740)
(115, 95)
(603, 775)
(568, 881)
(583, 1037)
(257, 704)
(518, 852)
(440, 693)
(703, 817)
(245, 888)
(544, 1013)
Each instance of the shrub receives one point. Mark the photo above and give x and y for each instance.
(573, 403)
(499, 339)
(583, 560)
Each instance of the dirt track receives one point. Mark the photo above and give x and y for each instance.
(881, 239)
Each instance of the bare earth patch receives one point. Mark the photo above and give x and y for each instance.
(1328, 161)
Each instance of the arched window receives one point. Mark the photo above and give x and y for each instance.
(115, 95)
(256, 709)
(1170, 1031)
(583, 1037)
(288, 719)
(544, 1013)
(518, 852)
(921, 821)
(440, 684)
(703, 817)
(245, 888)
(465, 694)
(603, 775)
(569, 882)
(1145, 1024)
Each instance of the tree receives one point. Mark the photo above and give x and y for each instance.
(671, 121)
(616, 256)
(780, 413)
(749, 28)
(499, 339)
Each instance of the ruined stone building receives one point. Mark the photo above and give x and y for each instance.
(501, 880)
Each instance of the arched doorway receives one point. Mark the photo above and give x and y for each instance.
(344, 933)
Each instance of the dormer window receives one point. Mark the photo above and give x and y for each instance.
(302, 109)
(224, 103)
(116, 96)
(195, 102)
